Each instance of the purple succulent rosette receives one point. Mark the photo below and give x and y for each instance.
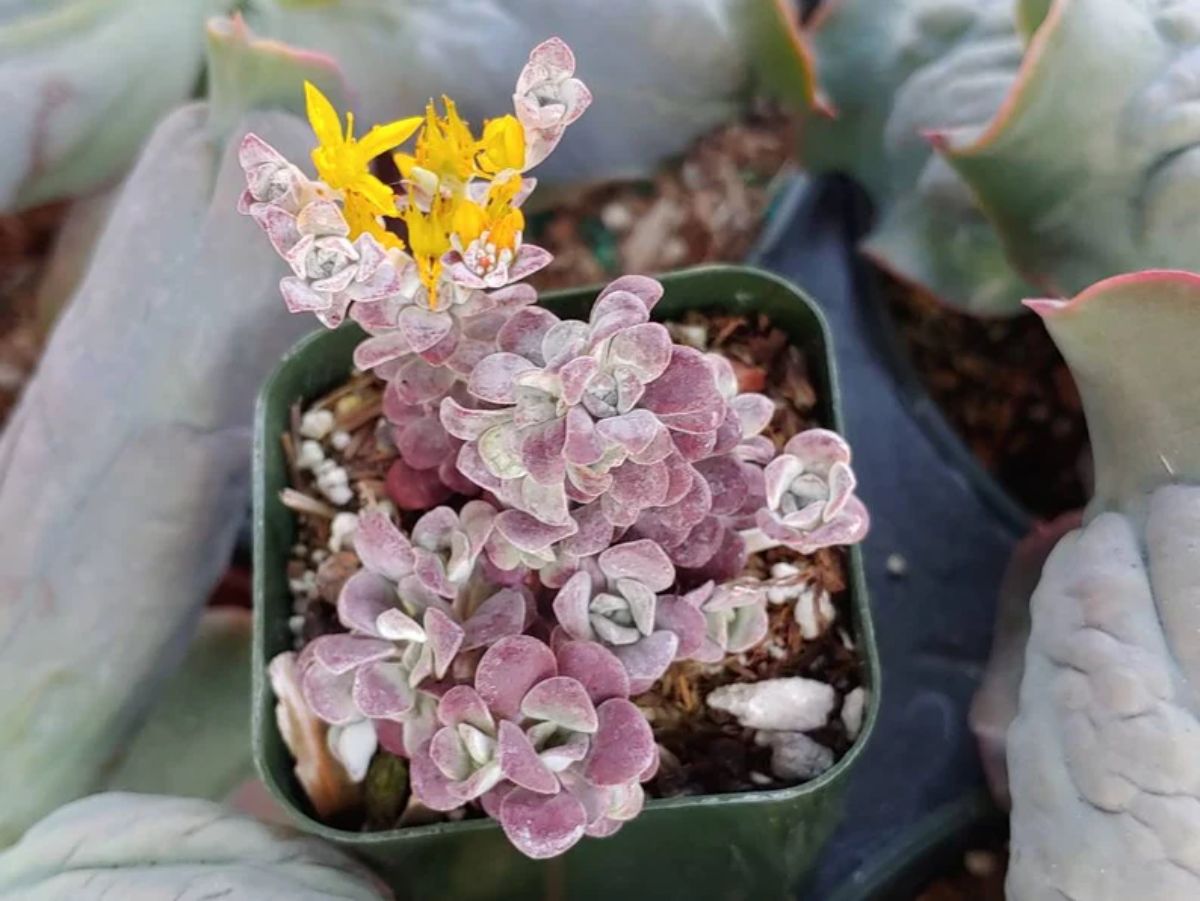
(548, 742)
(810, 500)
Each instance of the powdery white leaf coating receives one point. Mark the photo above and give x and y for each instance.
(563, 701)
(623, 747)
(143, 846)
(1103, 752)
(597, 669)
(790, 704)
(509, 669)
(520, 764)
(541, 826)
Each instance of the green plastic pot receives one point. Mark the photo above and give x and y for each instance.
(747, 845)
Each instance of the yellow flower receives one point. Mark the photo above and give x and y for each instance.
(497, 217)
(429, 239)
(361, 217)
(502, 146)
(343, 162)
(444, 147)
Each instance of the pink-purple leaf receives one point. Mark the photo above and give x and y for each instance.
(520, 764)
(424, 328)
(583, 445)
(571, 606)
(494, 379)
(362, 599)
(614, 312)
(343, 653)
(623, 746)
(501, 615)
(449, 754)
(542, 826)
(561, 700)
(381, 546)
(645, 349)
(445, 637)
(508, 669)
(595, 667)
(429, 784)
(381, 690)
(646, 289)
(529, 533)
(522, 334)
(647, 659)
(328, 695)
(462, 704)
(642, 560)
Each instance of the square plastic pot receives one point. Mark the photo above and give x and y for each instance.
(745, 845)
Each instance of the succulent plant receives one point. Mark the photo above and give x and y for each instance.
(201, 248)
(1101, 751)
(550, 742)
(874, 77)
(810, 501)
(132, 845)
(616, 605)
(1071, 212)
(612, 467)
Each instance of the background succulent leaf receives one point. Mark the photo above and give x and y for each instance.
(82, 82)
(124, 470)
(1130, 343)
(1101, 754)
(1092, 167)
(662, 73)
(151, 846)
(247, 72)
(196, 739)
(891, 71)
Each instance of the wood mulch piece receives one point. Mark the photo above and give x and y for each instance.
(1005, 389)
(25, 242)
(707, 207)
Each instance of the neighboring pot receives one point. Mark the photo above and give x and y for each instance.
(931, 848)
(754, 845)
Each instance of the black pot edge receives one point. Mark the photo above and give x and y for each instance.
(926, 850)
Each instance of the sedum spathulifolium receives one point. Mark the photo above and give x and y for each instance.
(603, 485)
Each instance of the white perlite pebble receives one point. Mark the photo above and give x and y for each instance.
(310, 456)
(316, 424)
(790, 704)
(814, 612)
(341, 531)
(794, 755)
(854, 707)
(340, 440)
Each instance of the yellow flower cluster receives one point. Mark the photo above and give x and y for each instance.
(434, 202)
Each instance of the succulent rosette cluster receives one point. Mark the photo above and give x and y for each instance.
(588, 491)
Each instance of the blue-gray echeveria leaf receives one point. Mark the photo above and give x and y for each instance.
(196, 738)
(888, 72)
(661, 73)
(124, 470)
(82, 82)
(1092, 166)
(132, 846)
(1104, 754)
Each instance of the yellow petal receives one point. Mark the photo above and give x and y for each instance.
(469, 221)
(503, 145)
(383, 138)
(381, 196)
(325, 122)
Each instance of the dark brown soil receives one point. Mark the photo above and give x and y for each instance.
(706, 207)
(25, 241)
(1005, 389)
(979, 876)
(708, 752)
